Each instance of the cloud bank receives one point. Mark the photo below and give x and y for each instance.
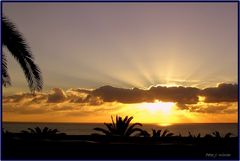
(220, 99)
(181, 95)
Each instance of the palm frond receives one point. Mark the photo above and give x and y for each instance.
(38, 130)
(113, 123)
(127, 123)
(216, 134)
(125, 119)
(124, 125)
(164, 133)
(208, 136)
(102, 130)
(190, 135)
(199, 135)
(18, 47)
(120, 127)
(134, 130)
(118, 123)
(54, 131)
(143, 133)
(228, 135)
(129, 130)
(156, 133)
(169, 134)
(110, 128)
(31, 130)
(129, 120)
(6, 81)
(45, 130)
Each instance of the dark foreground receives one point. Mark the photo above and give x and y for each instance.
(18, 146)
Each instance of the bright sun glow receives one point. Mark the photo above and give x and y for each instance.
(164, 108)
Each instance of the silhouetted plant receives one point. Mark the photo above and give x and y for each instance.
(158, 134)
(144, 133)
(15, 43)
(5, 132)
(45, 132)
(179, 135)
(194, 136)
(217, 135)
(121, 127)
(228, 135)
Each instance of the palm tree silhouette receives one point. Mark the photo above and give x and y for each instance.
(42, 132)
(121, 127)
(158, 134)
(13, 40)
(190, 135)
(217, 135)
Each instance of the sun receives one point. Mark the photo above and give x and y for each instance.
(158, 107)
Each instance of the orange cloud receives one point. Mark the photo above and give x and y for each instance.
(221, 99)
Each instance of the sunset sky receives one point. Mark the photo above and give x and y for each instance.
(162, 63)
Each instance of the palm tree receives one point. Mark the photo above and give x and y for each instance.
(45, 132)
(158, 134)
(217, 135)
(13, 40)
(121, 127)
(194, 136)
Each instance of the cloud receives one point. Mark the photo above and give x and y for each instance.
(18, 97)
(80, 90)
(25, 109)
(180, 95)
(57, 95)
(217, 108)
(222, 93)
(112, 94)
(220, 99)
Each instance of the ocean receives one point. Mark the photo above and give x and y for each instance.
(87, 128)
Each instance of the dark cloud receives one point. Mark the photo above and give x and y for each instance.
(222, 93)
(217, 99)
(40, 98)
(180, 95)
(57, 96)
(183, 95)
(182, 106)
(216, 108)
(112, 94)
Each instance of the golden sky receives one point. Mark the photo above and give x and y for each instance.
(159, 104)
(159, 62)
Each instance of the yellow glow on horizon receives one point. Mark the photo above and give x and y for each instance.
(157, 112)
(165, 124)
(164, 108)
(160, 113)
(201, 98)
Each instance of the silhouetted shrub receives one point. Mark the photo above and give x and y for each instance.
(120, 127)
